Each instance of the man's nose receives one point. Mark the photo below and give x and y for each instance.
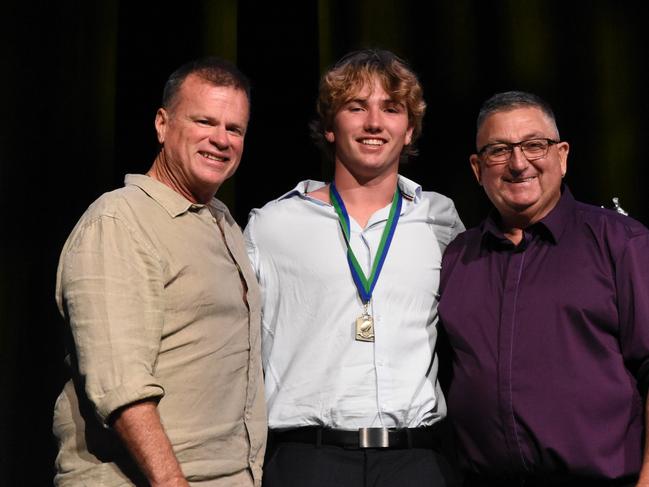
(373, 120)
(518, 161)
(219, 137)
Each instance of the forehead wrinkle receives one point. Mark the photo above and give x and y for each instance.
(527, 136)
(534, 132)
(383, 101)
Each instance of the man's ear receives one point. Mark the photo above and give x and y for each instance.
(161, 122)
(563, 148)
(476, 168)
(409, 135)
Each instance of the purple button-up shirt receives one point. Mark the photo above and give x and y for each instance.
(550, 343)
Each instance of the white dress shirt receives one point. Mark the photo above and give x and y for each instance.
(316, 373)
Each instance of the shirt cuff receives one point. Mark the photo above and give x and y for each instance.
(136, 389)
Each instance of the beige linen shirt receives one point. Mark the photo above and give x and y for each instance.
(161, 303)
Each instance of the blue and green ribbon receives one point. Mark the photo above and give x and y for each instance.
(364, 284)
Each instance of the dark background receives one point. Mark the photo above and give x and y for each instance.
(82, 80)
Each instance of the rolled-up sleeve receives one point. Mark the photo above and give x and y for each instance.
(109, 288)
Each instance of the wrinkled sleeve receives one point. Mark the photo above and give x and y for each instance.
(457, 227)
(445, 219)
(632, 280)
(251, 247)
(110, 291)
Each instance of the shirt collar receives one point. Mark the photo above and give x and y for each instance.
(410, 190)
(561, 216)
(302, 188)
(173, 202)
(552, 226)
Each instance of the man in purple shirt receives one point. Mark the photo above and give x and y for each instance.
(546, 307)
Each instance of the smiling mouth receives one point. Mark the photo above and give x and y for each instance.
(520, 180)
(374, 142)
(213, 157)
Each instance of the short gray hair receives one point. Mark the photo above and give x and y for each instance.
(509, 100)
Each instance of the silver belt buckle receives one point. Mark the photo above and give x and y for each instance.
(373, 438)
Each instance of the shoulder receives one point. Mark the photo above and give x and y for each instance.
(113, 214)
(441, 215)
(610, 229)
(438, 204)
(278, 207)
(284, 208)
(435, 204)
(118, 204)
(613, 235)
(465, 239)
(609, 221)
(466, 243)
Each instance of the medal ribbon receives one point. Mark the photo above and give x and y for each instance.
(366, 285)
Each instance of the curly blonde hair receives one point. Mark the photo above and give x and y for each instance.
(354, 71)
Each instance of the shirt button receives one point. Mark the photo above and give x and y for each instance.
(213, 219)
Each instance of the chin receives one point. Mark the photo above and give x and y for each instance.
(522, 200)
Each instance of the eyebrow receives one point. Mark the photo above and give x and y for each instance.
(384, 101)
(360, 101)
(528, 136)
(237, 126)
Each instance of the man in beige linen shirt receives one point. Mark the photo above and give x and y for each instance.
(163, 310)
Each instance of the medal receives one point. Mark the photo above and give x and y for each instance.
(364, 285)
(365, 327)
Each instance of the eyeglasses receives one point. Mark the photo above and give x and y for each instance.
(501, 152)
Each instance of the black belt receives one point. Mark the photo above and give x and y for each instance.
(358, 439)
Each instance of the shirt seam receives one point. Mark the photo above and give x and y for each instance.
(511, 359)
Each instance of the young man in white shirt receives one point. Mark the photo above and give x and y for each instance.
(349, 274)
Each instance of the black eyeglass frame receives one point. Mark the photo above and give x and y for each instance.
(512, 145)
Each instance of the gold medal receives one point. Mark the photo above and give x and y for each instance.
(365, 327)
(364, 284)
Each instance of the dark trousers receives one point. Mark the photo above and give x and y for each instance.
(308, 465)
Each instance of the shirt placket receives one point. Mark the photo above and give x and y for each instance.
(219, 220)
(509, 321)
(369, 247)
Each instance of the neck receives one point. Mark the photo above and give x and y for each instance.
(515, 223)
(515, 220)
(375, 192)
(364, 197)
(161, 171)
